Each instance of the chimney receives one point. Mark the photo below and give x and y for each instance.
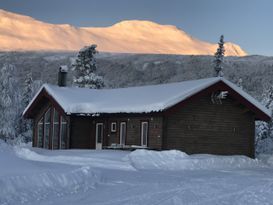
(62, 76)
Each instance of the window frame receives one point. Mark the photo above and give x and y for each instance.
(142, 132)
(53, 128)
(61, 124)
(40, 122)
(115, 124)
(97, 134)
(45, 130)
(120, 136)
(62, 120)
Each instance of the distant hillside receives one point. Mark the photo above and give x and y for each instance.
(123, 70)
(18, 32)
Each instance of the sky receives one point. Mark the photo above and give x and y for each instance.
(247, 23)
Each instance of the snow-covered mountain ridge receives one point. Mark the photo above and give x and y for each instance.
(19, 32)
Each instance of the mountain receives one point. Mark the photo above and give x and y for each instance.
(18, 32)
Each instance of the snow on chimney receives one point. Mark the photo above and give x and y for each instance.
(62, 75)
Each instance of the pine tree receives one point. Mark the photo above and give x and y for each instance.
(25, 127)
(9, 102)
(219, 57)
(28, 90)
(264, 130)
(85, 67)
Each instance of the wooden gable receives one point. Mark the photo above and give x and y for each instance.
(40, 100)
(221, 86)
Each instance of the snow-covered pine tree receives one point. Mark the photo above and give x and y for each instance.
(25, 127)
(219, 57)
(85, 67)
(264, 130)
(9, 103)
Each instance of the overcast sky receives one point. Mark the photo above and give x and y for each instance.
(248, 23)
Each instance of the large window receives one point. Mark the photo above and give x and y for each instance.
(144, 133)
(47, 129)
(40, 133)
(52, 130)
(56, 130)
(63, 134)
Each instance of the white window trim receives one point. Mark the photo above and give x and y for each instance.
(97, 125)
(112, 126)
(142, 125)
(120, 136)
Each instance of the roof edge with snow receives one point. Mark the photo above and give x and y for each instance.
(144, 99)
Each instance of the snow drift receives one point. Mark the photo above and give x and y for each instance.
(176, 160)
(40, 176)
(22, 181)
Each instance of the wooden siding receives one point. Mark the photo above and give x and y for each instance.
(133, 135)
(82, 133)
(204, 127)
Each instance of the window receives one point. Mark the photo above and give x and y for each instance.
(122, 134)
(63, 134)
(144, 133)
(52, 130)
(40, 133)
(113, 127)
(56, 130)
(47, 129)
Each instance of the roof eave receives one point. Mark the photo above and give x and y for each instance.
(43, 92)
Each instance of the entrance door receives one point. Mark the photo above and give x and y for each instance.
(144, 133)
(99, 135)
(122, 134)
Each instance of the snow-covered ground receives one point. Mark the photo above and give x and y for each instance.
(36, 176)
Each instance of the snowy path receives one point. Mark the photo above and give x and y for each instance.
(35, 176)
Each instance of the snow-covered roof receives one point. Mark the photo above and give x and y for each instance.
(153, 98)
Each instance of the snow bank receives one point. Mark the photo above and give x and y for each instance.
(270, 160)
(4, 147)
(177, 160)
(266, 159)
(25, 188)
(94, 159)
(22, 181)
(39, 176)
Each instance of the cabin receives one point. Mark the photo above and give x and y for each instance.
(211, 116)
